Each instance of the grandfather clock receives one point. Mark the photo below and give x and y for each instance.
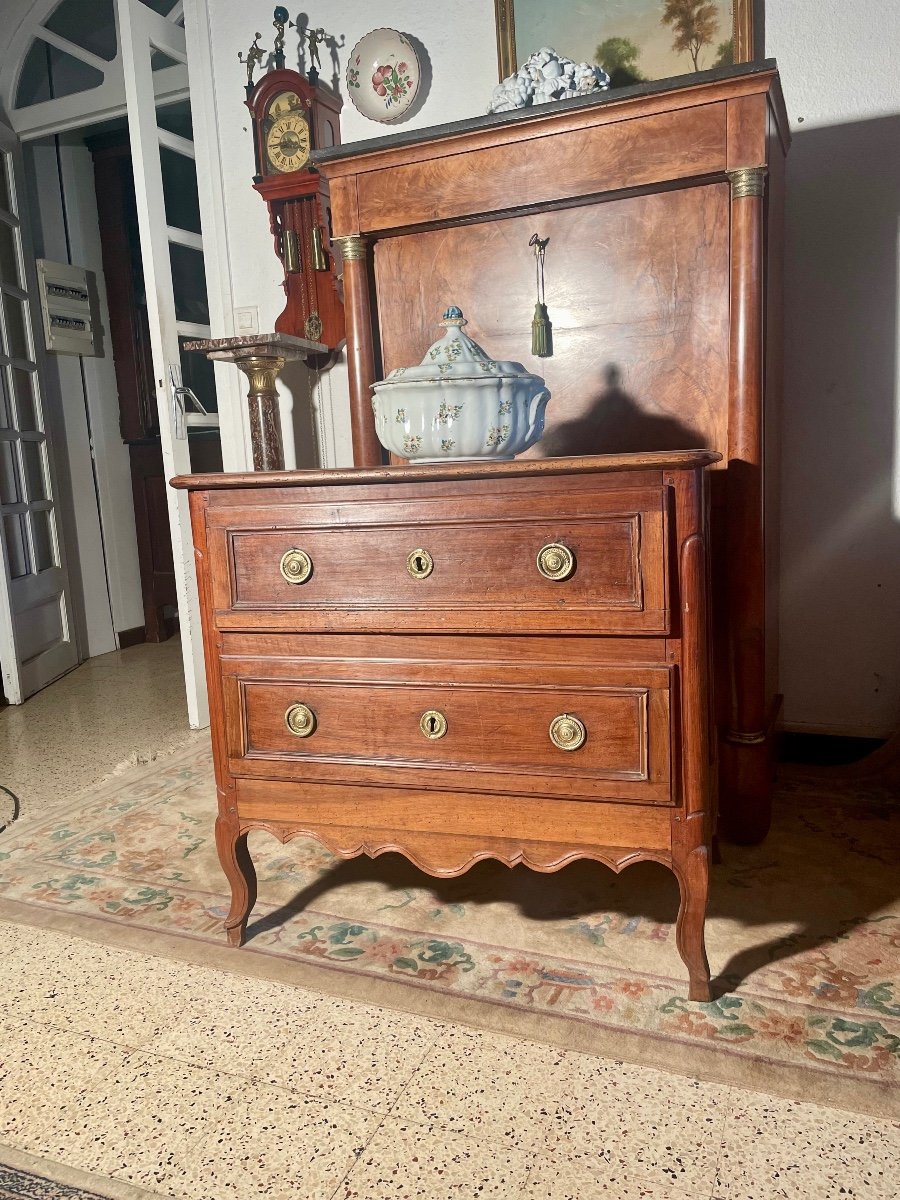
(291, 118)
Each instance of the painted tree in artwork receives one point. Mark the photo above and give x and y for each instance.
(618, 56)
(695, 24)
(725, 54)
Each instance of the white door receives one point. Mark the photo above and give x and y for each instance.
(37, 639)
(171, 255)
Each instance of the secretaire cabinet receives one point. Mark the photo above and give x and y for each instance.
(663, 207)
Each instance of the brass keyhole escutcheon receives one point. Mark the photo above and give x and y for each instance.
(555, 561)
(300, 720)
(433, 724)
(296, 566)
(567, 732)
(419, 563)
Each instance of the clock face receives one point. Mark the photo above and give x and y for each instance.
(287, 137)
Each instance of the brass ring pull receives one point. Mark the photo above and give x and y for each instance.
(555, 561)
(567, 732)
(300, 720)
(296, 566)
(433, 724)
(419, 563)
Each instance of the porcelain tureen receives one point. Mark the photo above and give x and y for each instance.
(459, 402)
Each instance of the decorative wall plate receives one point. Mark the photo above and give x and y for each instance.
(383, 75)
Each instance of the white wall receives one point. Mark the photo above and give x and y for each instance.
(840, 626)
(840, 633)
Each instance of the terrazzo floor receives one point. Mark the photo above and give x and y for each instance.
(141, 1076)
(112, 711)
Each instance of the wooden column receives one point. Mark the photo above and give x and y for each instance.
(746, 798)
(360, 350)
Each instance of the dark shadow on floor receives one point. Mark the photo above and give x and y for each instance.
(780, 882)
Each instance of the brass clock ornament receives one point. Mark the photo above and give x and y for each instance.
(292, 116)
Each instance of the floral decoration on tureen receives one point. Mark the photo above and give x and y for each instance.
(459, 402)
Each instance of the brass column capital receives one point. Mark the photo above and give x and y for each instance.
(262, 371)
(747, 181)
(352, 247)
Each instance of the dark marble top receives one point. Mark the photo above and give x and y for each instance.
(410, 137)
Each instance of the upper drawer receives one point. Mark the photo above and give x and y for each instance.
(448, 565)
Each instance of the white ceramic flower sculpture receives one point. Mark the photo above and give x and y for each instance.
(547, 76)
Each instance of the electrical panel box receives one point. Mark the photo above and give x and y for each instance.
(66, 308)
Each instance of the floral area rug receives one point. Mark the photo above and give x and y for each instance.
(803, 932)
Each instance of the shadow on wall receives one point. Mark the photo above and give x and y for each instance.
(299, 381)
(840, 538)
(615, 423)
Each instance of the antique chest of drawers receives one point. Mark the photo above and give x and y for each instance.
(461, 661)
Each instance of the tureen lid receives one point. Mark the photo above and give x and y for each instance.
(456, 356)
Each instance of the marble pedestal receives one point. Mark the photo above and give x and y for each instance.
(261, 356)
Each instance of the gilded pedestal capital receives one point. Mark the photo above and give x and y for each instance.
(747, 181)
(351, 247)
(261, 372)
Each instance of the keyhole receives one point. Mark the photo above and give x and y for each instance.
(432, 725)
(419, 563)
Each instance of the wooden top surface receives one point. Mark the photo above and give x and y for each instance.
(351, 157)
(675, 460)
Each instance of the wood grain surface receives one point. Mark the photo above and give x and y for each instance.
(574, 163)
(637, 290)
(484, 576)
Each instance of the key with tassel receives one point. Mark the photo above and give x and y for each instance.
(541, 328)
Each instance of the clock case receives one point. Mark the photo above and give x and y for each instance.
(300, 211)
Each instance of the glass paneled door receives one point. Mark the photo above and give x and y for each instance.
(37, 640)
(175, 284)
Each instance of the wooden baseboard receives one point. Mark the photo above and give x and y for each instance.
(131, 637)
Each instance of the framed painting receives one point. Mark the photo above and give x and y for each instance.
(633, 40)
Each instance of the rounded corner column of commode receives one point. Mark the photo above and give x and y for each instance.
(692, 826)
(745, 750)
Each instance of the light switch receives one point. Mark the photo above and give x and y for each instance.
(246, 320)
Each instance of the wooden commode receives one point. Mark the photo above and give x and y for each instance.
(462, 661)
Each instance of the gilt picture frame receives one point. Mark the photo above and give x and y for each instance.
(643, 39)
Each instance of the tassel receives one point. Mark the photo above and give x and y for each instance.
(541, 329)
(541, 333)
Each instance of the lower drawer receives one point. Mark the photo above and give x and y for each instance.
(575, 732)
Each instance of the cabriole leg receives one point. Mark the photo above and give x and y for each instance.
(241, 874)
(693, 878)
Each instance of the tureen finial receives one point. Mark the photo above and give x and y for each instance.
(453, 316)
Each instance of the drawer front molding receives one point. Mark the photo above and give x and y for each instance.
(489, 724)
(601, 567)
